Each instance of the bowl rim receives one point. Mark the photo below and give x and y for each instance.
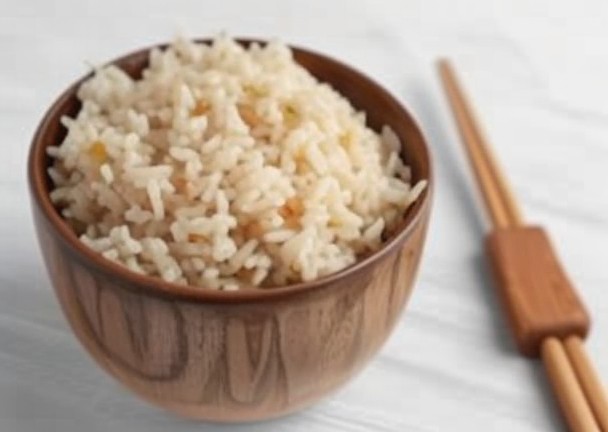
(154, 285)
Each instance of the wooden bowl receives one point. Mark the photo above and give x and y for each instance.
(244, 355)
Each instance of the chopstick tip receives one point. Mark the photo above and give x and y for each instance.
(443, 64)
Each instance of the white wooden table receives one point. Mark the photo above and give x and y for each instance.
(538, 74)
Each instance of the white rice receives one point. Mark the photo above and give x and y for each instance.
(226, 167)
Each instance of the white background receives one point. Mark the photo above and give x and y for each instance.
(538, 73)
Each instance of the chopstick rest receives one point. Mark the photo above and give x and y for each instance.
(538, 297)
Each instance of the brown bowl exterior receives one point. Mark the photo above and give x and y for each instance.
(234, 356)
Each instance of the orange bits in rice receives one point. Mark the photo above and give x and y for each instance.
(253, 230)
(249, 116)
(196, 238)
(98, 152)
(201, 108)
(291, 212)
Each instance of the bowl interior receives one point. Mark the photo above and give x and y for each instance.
(380, 107)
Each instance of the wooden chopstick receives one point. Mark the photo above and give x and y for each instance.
(495, 191)
(588, 379)
(567, 389)
(574, 380)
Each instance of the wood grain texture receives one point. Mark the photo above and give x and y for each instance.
(233, 361)
(245, 355)
(538, 297)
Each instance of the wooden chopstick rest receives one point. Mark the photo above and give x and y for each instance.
(539, 299)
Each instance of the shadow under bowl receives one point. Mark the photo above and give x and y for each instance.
(244, 355)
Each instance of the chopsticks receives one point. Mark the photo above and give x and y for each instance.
(546, 316)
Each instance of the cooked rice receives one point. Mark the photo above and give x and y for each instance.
(225, 167)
